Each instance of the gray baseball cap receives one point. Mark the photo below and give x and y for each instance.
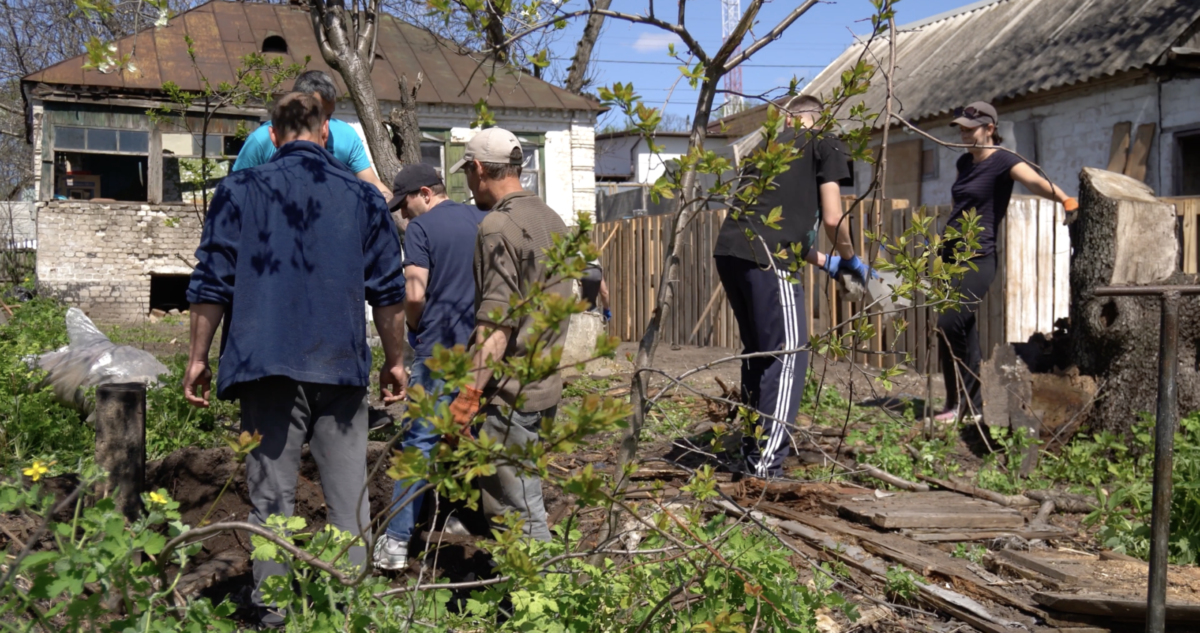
(493, 145)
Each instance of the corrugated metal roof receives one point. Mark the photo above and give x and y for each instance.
(223, 32)
(1003, 49)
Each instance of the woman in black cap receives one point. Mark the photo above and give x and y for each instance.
(984, 185)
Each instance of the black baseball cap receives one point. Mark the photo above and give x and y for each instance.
(974, 115)
(409, 180)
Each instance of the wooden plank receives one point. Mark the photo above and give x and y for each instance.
(1123, 609)
(953, 603)
(1062, 266)
(1045, 270)
(1043, 567)
(1135, 167)
(924, 559)
(1118, 152)
(955, 536)
(1191, 236)
(929, 510)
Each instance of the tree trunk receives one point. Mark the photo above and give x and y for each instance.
(406, 130)
(665, 301)
(344, 48)
(576, 74)
(358, 80)
(1125, 236)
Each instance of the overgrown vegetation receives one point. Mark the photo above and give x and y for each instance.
(35, 426)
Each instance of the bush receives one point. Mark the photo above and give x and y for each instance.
(33, 424)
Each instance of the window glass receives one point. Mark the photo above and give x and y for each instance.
(530, 172)
(216, 145)
(431, 154)
(135, 141)
(233, 145)
(99, 140)
(70, 138)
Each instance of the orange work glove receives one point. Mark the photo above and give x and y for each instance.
(465, 406)
(1071, 205)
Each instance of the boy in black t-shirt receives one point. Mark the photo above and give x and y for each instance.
(766, 300)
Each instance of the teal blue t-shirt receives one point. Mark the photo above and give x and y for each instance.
(343, 143)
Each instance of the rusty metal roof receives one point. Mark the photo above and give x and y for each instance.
(223, 32)
(999, 50)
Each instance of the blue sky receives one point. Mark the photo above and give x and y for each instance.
(813, 41)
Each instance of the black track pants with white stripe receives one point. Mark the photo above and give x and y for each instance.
(770, 315)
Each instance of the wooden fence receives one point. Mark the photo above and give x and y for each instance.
(1028, 295)
(1188, 210)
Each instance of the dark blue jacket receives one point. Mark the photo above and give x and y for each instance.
(292, 248)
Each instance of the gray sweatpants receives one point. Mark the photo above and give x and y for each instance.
(508, 491)
(332, 420)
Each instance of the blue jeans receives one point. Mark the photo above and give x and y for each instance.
(421, 435)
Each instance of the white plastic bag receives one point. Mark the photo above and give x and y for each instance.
(91, 359)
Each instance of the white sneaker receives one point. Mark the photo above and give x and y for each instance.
(391, 554)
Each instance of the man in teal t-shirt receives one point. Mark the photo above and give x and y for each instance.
(343, 143)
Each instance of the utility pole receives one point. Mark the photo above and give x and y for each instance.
(731, 15)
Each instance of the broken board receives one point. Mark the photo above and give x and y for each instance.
(938, 509)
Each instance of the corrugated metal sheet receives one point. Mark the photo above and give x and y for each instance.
(1004, 49)
(223, 32)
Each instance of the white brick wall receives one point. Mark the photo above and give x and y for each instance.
(99, 256)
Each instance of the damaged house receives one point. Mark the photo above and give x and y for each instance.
(117, 224)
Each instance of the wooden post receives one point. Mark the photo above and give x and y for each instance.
(121, 443)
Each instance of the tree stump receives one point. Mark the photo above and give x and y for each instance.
(1125, 236)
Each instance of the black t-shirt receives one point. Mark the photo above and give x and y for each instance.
(985, 187)
(590, 284)
(822, 159)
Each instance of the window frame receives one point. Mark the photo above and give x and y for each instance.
(538, 139)
(54, 147)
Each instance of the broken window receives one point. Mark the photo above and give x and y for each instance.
(1189, 164)
(183, 177)
(100, 163)
(169, 292)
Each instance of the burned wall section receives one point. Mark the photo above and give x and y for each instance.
(100, 256)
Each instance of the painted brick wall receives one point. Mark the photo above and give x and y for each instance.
(99, 256)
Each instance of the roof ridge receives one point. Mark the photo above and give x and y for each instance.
(946, 15)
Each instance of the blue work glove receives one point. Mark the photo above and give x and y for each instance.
(832, 264)
(607, 314)
(412, 339)
(858, 268)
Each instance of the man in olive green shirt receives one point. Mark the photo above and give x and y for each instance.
(509, 258)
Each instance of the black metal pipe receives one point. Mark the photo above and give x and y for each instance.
(1164, 446)
(1144, 291)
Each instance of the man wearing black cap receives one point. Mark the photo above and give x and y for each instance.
(439, 306)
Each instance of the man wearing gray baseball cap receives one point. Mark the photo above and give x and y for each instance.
(509, 259)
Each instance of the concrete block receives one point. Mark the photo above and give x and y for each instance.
(581, 338)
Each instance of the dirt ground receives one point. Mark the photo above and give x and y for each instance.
(195, 476)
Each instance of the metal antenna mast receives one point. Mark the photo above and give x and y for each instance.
(731, 14)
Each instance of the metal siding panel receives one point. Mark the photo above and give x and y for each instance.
(211, 58)
(297, 29)
(145, 58)
(433, 62)
(173, 61)
(233, 23)
(397, 47)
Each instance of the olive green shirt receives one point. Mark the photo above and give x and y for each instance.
(509, 259)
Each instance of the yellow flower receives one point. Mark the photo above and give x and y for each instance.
(158, 498)
(37, 469)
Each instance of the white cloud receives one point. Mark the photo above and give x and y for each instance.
(655, 42)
